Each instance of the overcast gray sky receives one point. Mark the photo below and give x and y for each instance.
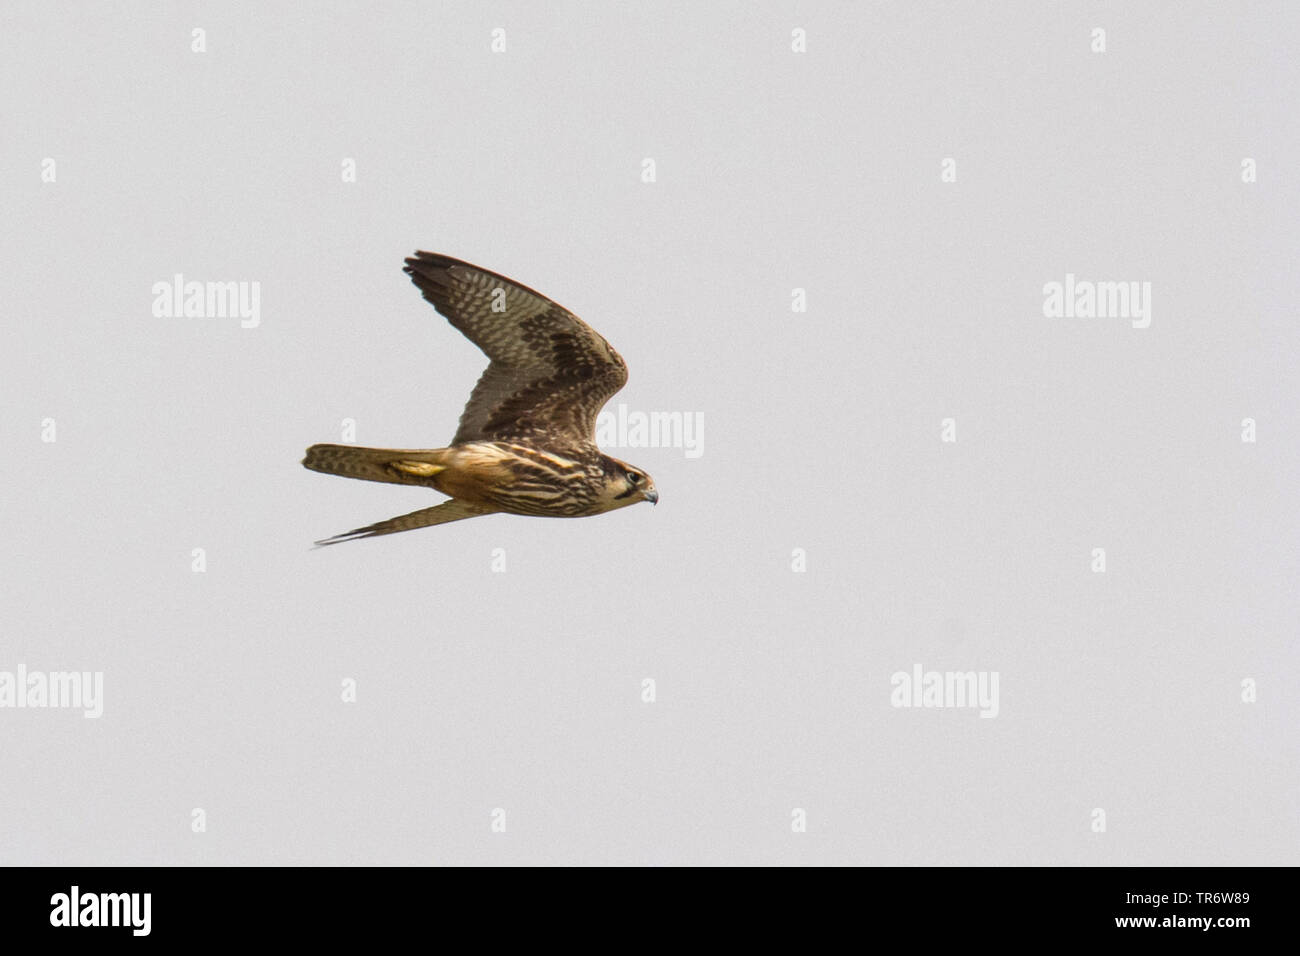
(922, 172)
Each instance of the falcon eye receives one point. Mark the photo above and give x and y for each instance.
(633, 478)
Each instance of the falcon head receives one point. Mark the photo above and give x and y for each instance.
(626, 485)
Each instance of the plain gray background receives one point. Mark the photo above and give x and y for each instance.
(775, 170)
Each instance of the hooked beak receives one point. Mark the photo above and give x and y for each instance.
(651, 496)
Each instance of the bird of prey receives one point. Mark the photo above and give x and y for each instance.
(526, 442)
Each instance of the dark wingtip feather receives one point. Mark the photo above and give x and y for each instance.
(340, 538)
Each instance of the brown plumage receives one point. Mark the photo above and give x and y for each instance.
(526, 441)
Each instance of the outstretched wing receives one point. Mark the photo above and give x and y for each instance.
(453, 510)
(550, 373)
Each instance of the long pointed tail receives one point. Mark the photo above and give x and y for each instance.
(439, 514)
(397, 466)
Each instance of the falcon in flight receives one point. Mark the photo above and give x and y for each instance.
(526, 443)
